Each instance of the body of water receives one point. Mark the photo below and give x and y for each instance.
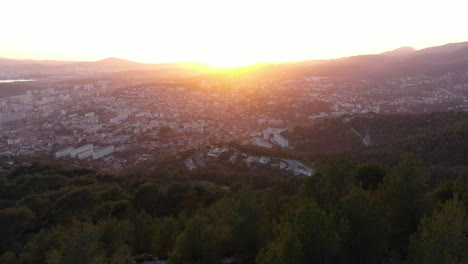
(12, 81)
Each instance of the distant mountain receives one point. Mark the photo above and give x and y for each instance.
(111, 64)
(24, 68)
(451, 47)
(29, 61)
(401, 62)
(397, 63)
(403, 51)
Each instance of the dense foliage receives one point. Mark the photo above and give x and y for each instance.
(348, 212)
(438, 139)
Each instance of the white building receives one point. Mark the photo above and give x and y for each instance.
(261, 143)
(13, 141)
(74, 153)
(103, 152)
(85, 154)
(321, 115)
(280, 140)
(264, 160)
(268, 133)
(63, 153)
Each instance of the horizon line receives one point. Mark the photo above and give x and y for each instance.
(212, 64)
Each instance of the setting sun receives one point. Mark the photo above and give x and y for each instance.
(222, 33)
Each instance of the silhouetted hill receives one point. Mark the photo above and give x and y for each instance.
(434, 60)
(403, 51)
(450, 47)
(400, 62)
(5, 61)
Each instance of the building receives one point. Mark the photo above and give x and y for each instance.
(268, 133)
(280, 140)
(252, 159)
(102, 152)
(63, 153)
(85, 154)
(13, 141)
(189, 164)
(74, 153)
(261, 143)
(264, 160)
(321, 115)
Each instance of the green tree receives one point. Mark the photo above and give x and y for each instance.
(166, 236)
(370, 175)
(14, 221)
(115, 193)
(442, 238)
(122, 256)
(113, 234)
(366, 237)
(284, 250)
(144, 231)
(197, 244)
(82, 245)
(307, 232)
(43, 243)
(403, 196)
(54, 257)
(119, 209)
(328, 186)
(9, 258)
(147, 196)
(74, 203)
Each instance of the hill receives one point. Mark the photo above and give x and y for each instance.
(439, 139)
(403, 51)
(401, 62)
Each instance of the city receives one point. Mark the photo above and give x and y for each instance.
(123, 123)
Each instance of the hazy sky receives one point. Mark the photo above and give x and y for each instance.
(224, 32)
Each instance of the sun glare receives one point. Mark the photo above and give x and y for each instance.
(224, 63)
(221, 33)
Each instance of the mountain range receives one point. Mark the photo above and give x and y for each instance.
(404, 61)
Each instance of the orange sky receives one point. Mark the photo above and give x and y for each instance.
(224, 33)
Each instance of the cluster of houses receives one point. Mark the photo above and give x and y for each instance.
(198, 160)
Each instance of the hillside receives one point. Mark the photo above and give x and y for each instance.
(54, 214)
(437, 138)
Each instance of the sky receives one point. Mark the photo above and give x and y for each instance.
(221, 32)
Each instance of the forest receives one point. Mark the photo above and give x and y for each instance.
(348, 212)
(438, 139)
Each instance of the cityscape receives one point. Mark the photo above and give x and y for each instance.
(116, 122)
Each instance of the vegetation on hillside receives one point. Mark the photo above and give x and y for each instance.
(348, 212)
